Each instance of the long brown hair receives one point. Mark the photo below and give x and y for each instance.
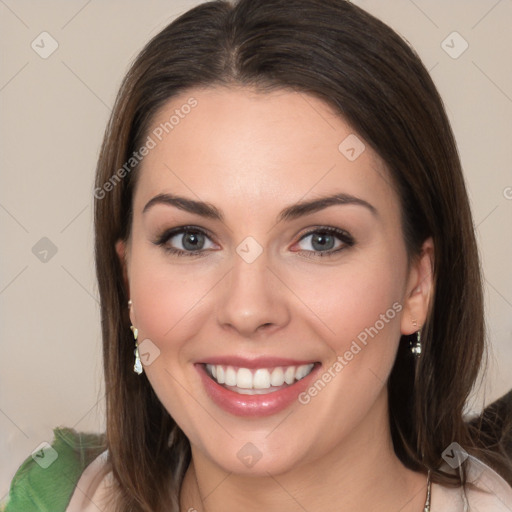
(359, 66)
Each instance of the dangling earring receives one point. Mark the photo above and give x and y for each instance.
(137, 367)
(415, 346)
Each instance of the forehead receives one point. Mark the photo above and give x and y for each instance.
(233, 145)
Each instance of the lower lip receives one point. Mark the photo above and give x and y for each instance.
(254, 405)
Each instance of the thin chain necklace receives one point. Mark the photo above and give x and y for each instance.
(426, 508)
(427, 502)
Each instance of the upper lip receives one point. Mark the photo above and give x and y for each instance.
(257, 362)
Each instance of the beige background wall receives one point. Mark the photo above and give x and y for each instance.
(54, 111)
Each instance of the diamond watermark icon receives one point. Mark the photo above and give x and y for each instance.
(148, 352)
(249, 455)
(45, 455)
(249, 249)
(454, 455)
(351, 147)
(454, 45)
(44, 250)
(44, 45)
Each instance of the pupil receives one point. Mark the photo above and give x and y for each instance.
(322, 241)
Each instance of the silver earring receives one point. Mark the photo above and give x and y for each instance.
(415, 346)
(137, 367)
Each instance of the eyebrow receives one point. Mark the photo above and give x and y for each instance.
(289, 213)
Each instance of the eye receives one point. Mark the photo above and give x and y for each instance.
(325, 241)
(193, 241)
(185, 241)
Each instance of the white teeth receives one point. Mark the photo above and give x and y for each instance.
(277, 377)
(302, 371)
(289, 375)
(221, 375)
(260, 379)
(246, 380)
(230, 376)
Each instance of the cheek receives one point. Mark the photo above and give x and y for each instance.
(358, 313)
(166, 297)
(361, 300)
(167, 302)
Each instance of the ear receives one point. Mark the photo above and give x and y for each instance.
(122, 253)
(419, 290)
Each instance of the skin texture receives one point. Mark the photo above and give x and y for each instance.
(250, 155)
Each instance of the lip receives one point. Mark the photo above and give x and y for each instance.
(254, 405)
(257, 362)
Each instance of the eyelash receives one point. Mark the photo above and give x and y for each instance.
(341, 234)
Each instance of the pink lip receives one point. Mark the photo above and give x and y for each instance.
(254, 405)
(258, 362)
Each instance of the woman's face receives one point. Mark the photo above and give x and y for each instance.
(296, 306)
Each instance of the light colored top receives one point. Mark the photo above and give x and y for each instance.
(79, 480)
(495, 495)
(92, 490)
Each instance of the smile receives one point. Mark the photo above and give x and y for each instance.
(256, 381)
(255, 387)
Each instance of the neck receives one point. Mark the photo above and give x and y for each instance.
(361, 473)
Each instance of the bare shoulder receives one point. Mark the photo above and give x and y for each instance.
(489, 492)
(94, 489)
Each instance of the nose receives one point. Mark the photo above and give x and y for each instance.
(253, 300)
